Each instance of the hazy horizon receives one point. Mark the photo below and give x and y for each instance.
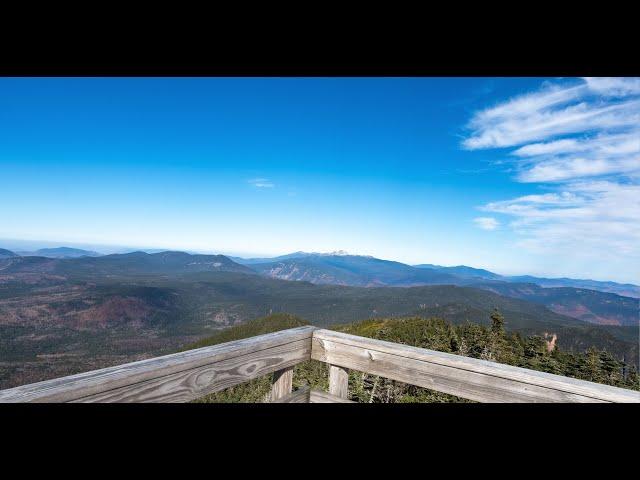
(120, 249)
(535, 176)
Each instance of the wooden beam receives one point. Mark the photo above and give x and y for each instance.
(282, 383)
(338, 381)
(299, 396)
(465, 377)
(179, 377)
(318, 396)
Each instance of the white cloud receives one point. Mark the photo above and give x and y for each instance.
(580, 142)
(594, 104)
(613, 86)
(519, 127)
(618, 144)
(486, 223)
(559, 146)
(565, 159)
(261, 183)
(593, 220)
(560, 169)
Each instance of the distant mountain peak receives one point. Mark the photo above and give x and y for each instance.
(339, 253)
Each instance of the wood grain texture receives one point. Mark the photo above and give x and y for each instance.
(178, 377)
(282, 383)
(318, 396)
(194, 383)
(338, 381)
(299, 396)
(462, 376)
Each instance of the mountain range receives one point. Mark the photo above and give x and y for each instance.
(134, 263)
(340, 268)
(625, 289)
(351, 270)
(60, 252)
(369, 266)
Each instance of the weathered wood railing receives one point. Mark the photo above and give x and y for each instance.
(192, 374)
(464, 377)
(179, 377)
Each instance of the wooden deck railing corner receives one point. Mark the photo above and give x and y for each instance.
(185, 376)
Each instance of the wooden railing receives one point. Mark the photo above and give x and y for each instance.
(180, 377)
(185, 376)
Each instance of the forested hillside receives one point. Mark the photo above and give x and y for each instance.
(55, 324)
(491, 343)
(587, 305)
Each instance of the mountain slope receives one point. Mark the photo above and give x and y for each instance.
(136, 263)
(252, 261)
(352, 270)
(463, 271)
(587, 305)
(64, 252)
(4, 253)
(623, 289)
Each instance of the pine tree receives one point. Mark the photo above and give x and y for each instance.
(498, 344)
(591, 370)
(497, 323)
(610, 367)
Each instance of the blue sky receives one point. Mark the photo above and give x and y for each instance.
(513, 175)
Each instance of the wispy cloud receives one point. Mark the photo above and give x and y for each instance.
(604, 144)
(560, 169)
(261, 183)
(556, 110)
(486, 223)
(614, 86)
(581, 142)
(596, 218)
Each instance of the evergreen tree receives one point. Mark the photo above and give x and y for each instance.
(610, 367)
(591, 368)
(498, 345)
(497, 323)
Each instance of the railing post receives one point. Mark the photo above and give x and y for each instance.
(338, 381)
(282, 383)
